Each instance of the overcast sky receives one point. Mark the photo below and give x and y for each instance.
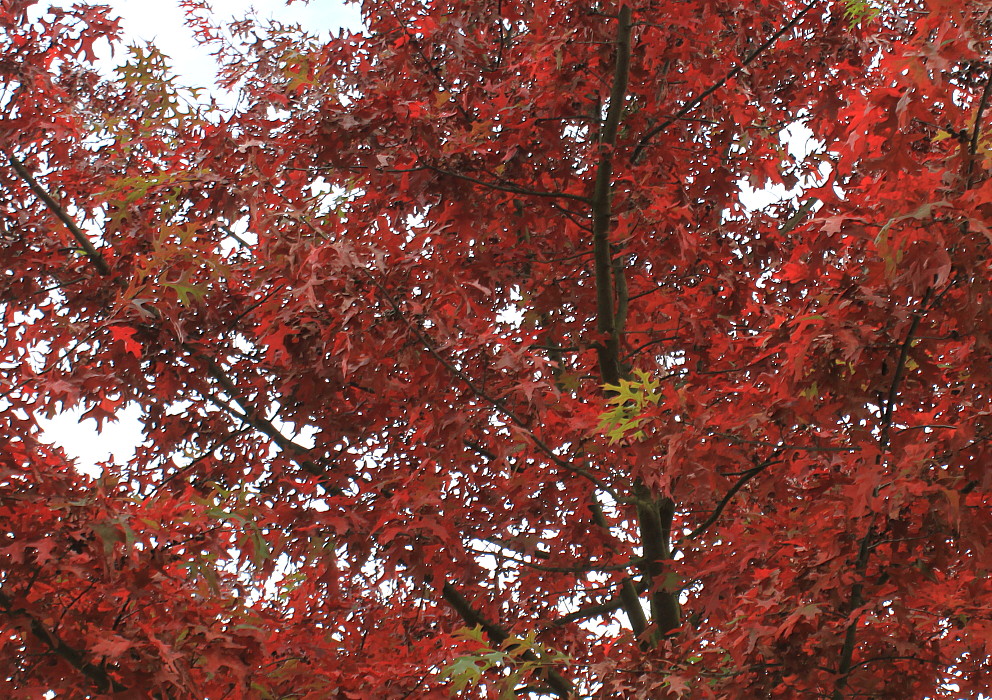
(162, 23)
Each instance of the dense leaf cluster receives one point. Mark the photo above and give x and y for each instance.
(463, 369)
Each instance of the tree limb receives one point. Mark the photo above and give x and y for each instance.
(253, 418)
(738, 485)
(654, 515)
(557, 683)
(628, 596)
(693, 103)
(81, 238)
(74, 657)
(846, 661)
(503, 187)
(982, 103)
(608, 346)
(600, 609)
(496, 403)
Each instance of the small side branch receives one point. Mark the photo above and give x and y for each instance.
(725, 501)
(846, 664)
(496, 403)
(698, 100)
(976, 132)
(504, 186)
(846, 660)
(900, 370)
(601, 609)
(628, 597)
(251, 417)
(982, 104)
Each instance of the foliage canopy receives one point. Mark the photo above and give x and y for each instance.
(464, 370)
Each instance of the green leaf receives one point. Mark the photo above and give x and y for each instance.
(860, 12)
(463, 672)
(629, 401)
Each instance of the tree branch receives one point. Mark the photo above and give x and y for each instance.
(557, 683)
(485, 396)
(654, 515)
(582, 569)
(608, 347)
(74, 657)
(897, 375)
(503, 187)
(600, 609)
(628, 597)
(982, 103)
(81, 238)
(725, 501)
(253, 418)
(692, 104)
(846, 662)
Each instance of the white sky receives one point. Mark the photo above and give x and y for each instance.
(162, 23)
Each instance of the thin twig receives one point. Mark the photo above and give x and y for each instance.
(890, 399)
(846, 662)
(485, 396)
(504, 187)
(599, 609)
(583, 569)
(608, 348)
(785, 446)
(74, 657)
(982, 103)
(629, 595)
(738, 485)
(248, 415)
(977, 130)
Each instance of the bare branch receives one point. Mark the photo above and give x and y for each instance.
(252, 417)
(601, 609)
(485, 396)
(738, 485)
(846, 661)
(506, 187)
(608, 347)
(982, 104)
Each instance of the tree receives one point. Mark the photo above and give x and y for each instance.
(464, 370)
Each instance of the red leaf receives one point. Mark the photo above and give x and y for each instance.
(125, 334)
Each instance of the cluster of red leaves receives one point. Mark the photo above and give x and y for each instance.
(459, 322)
